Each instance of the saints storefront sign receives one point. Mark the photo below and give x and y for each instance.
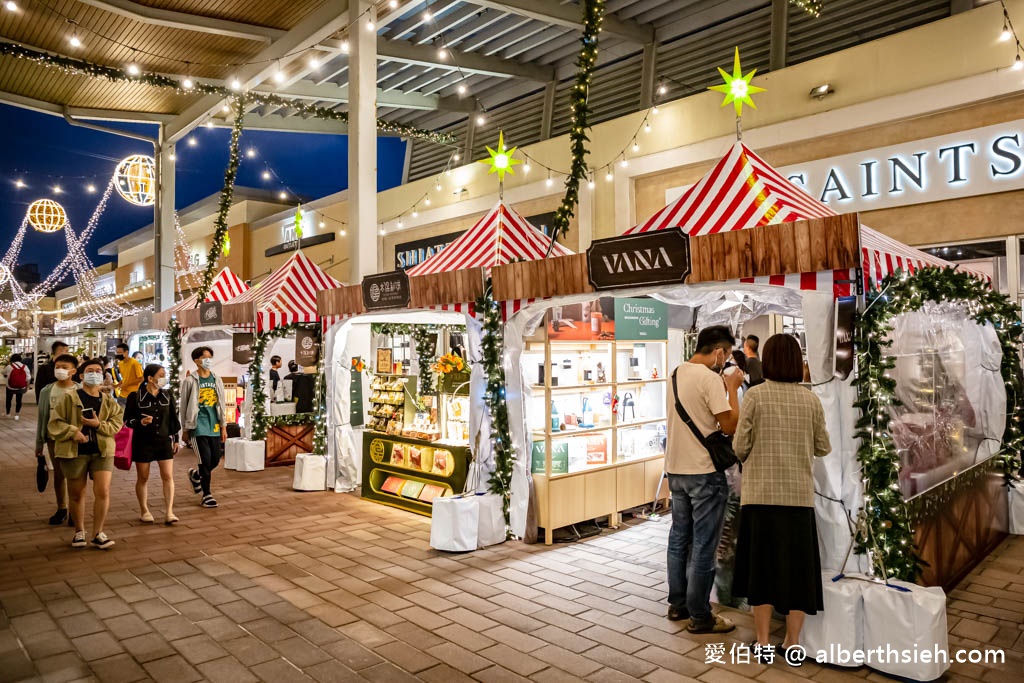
(386, 290)
(654, 258)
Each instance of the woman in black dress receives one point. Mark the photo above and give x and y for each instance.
(153, 415)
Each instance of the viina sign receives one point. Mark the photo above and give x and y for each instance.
(975, 162)
(659, 257)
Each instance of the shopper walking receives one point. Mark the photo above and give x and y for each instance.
(153, 417)
(203, 421)
(82, 426)
(699, 492)
(45, 372)
(17, 376)
(63, 369)
(781, 430)
(753, 369)
(131, 374)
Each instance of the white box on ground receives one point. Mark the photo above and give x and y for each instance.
(1016, 493)
(252, 456)
(455, 524)
(310, 472)
(491, 528)
(840, 624)
(232, 453)
(912, 620)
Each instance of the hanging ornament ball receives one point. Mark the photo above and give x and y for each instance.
(46, 215)
(135, 180)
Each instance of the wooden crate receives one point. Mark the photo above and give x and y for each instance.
(344, 300)
(284, 442)
(451, 287)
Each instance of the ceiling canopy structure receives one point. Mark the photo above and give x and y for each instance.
(440, 63)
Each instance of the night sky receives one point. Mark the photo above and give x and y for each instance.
(44, 150)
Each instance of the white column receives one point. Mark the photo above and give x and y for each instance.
(163, 227)
(362, 139)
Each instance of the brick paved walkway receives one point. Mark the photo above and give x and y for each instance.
(282, 586)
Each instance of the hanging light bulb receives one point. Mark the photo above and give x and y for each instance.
(321, 224)
(209, 123)
(662, 89)
(236, 84)
(57, 189)
(427, 16)
(314, 63)
(415, 213)
(225, 108)
(282, 195)
(1017, 64)
(590, 183)
(251, 153)
(442, 54)
(381, 229)
(266, 175)
(90, 188)
(342, 232)
(636, 146)
(11, 6)
(549, 182)
(654, 110)
(279, 74)
(174, 157)
(1005, 35)
(456, 156)
(461, 89)
(647, 127)
(75, 42)
(393, 4)
(19, 183)
(437, 185)
(624, 163)
(526, 167)
(370, 26)
(400, 221)
(133, 69)
(344, 46)
(427, 201)
(609, 176)
(480, 120)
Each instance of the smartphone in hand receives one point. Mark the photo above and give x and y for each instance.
(88, 413)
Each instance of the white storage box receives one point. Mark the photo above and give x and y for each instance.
(840, 625)
(455, 524)
(310, 472)
(1016, 493)
(491, 528)
(251, 457)
(906, 621)
(232, 453)
(282, 409)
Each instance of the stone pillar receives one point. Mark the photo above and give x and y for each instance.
(362, 139)
(164, 234)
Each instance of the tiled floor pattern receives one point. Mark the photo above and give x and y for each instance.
(282, 586)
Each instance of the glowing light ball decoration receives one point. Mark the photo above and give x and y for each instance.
(46, 215)
(135, 180)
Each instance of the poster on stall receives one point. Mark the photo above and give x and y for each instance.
(111, 346)
(846, 312)
(356, 393)
(307, 348)
(641, 320)
(241, 347)
(588, 321)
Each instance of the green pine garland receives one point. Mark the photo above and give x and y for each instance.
(84, 68)
(421, 336)
(890, 533)
(227, 194)
(174, 354)
(320, 408)
(586, 60)
(495, 400)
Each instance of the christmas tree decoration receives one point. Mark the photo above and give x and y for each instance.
(46, 215)
(889, 537)
(501, 160)
(737, 87)
(135, 180)
(586, 60)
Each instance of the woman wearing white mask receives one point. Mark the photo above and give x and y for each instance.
(153, 417)
(83, 425)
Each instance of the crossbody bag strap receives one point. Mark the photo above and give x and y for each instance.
(684, 415)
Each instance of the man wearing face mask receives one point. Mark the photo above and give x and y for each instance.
(131, 374)
(63, 371)
(203, 422)
(699, 492)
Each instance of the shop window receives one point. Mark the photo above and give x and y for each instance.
(987, 257)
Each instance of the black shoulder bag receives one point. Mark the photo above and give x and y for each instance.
(717, 443)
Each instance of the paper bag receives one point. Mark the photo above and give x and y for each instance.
(455, 523)
(840, 624)
(492, 520)
(310, 472)
(909, 620)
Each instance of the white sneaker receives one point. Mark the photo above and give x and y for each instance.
(101, 541)
(17, 417)
(79, 540)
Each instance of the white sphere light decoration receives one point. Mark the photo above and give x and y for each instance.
(46, 215)
(135, 180)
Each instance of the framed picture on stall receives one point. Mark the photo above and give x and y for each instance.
(384, 361)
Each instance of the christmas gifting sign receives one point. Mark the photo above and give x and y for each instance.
(659, 257)
(637, 319)
(386, 290)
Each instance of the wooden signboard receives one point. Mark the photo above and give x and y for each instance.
(787, 248)
(386, 290)
(660, 257)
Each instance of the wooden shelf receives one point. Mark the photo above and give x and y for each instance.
(571, 387)
(636, 382)
(572, 432)
(639, 423)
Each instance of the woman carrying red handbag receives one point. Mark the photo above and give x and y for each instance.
(153, 416)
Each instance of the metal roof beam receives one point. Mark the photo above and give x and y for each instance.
(393, 98)
(186, 21)
(316, 26)
(43, 107)
(403, 51)
(569, 16)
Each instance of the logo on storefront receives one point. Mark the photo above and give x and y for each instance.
(659, 257)
(242, 351)
(386, 290)
(210, 313)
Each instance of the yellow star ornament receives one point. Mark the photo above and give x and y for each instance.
(737, 88)
(501, 161)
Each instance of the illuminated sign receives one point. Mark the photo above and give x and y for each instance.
(975, 162)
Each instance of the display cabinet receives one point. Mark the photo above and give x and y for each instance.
(596, 413)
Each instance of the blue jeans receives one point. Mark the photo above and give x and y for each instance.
(698, 509)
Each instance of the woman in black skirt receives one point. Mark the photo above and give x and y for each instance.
(153, 416)
(781, 430)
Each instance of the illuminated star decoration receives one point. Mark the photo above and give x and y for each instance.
(501, 161)
(298, 222)
(737, 88)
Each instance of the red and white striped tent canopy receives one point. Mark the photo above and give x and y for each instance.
(500, 237)
(226, 286)
(288, 295)
(743, 191)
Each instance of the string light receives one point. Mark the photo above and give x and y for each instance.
(90, 188)
(442, 54)
(321, 225)
(393, 4)
(636, 146)
(624, 163)
(282, 195)
(480, 120)
(187, 83)
(427, 16)
(11, 6)
(344, 46)
(133, 69)
(209, 123)
(526, 168)
(236, 84)
(19, 183)
(266, 175)
(279, 74)
(251, 153)
(609, 176)
(370, 26)
(174, 157)
(74, 41)
(226, 108)
(57, 189)
(427, 201)
(461, 89)
(192, 142)
(314, 63)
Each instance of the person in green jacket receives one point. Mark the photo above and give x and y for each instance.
(64, 367)
(83, 426)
